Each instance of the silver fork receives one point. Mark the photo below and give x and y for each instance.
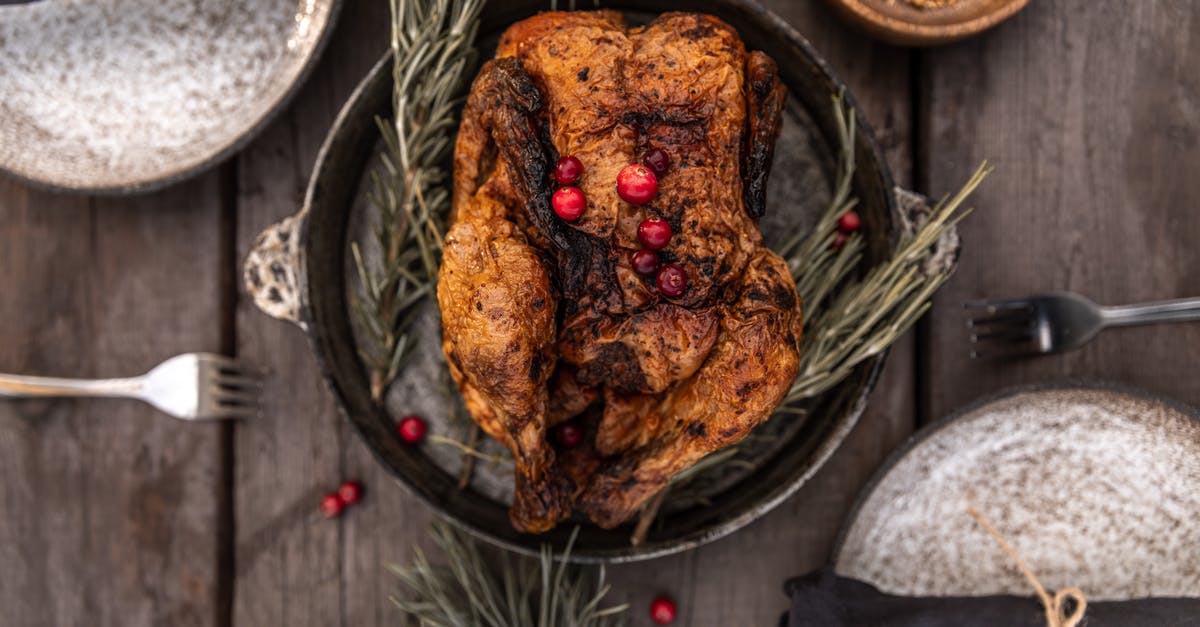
(1063, 321)
(192, 386)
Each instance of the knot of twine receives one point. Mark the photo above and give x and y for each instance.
(1055, 606)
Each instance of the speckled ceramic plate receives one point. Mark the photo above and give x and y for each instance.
(128, 95)
(1094, 487)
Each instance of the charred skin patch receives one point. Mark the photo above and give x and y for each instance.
(687, 135)
(728, 432)
(615, 365)
(536, 367)
(764, 116)
(784, 298)
(703, 30)
(757, 295)
(748, 388)
(521, 133)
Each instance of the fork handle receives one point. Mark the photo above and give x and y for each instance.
(21, 386)
(1182, 310)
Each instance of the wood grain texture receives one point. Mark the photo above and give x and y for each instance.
(1090, 112)
(109, 509)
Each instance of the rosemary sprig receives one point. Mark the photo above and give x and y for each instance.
(433, 47)
(849, 321)
(469, 450)
(474, 590)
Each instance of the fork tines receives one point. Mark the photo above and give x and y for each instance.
(233, 388)
(1009, 322)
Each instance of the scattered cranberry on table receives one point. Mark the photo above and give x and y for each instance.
(636, 184)
(332, 506)
(849, 222)
(658, 161)
(568, 203)
(662, 611)
(645, 262)
(350, 492)
(654, 233)
(568, 170)
(568, 435)
(411, 429)
(672, 280)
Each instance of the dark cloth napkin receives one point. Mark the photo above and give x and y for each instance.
(823, 599)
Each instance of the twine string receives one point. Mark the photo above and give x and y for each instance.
(1055, 606)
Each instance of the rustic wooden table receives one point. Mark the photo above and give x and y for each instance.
(111, 514)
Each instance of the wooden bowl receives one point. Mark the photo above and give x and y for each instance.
(903, 23)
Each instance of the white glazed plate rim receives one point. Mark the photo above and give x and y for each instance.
(31, 151)
(1082, 538)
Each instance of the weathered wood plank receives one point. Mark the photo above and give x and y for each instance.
(738, 580)
(110, 509)
(1090, 112)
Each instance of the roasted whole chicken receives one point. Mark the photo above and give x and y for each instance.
(614, 333)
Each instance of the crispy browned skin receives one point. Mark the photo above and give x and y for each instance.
(545, 319)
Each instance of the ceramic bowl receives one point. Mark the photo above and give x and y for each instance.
(926, 22)
(117, 96)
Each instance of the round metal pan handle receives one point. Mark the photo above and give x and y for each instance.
(913, 211)
(273, 273)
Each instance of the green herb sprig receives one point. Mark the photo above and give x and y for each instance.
(472, 589)
(433, 47)
(848, 321)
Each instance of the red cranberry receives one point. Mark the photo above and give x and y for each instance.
(412, 429)
(849, 222)
(657, 160)
(645, 261)
(568, 435)
(672, 280)
(636, 184)
(568, 203)
(839, 241)
(654, 233)
(332, 506)
(568, 170)
(350, 492)
(662, 611)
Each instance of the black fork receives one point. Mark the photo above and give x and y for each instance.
(1062, 321)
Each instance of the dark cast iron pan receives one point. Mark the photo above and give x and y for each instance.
(296, 272)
